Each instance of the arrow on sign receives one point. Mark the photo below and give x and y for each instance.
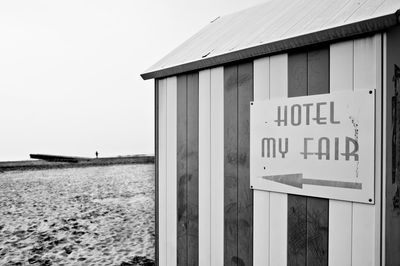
(297, 180)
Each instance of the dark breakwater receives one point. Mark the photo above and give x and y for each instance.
(106, 161)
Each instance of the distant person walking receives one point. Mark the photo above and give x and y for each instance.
(97, 154)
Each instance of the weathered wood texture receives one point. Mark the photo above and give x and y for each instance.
(318, 71)
(187, 169)
(297, 230)
(392, 225)
(204, 168)
(162, 172)
(297, 70)
(245, 194)
(297, 205)
(355, 229)
(238, 88)
(182, 170)
(317, 209)
(193, 168)
(366, 231)
(156, 169)
(278, 201)
(261, 201)
(341, 212)
(308, 74)
(230, 166)
(171, 177)
(217, 166)
(317, 231)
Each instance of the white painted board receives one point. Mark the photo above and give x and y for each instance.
(204, 168)
(321, 145)
(278, 202)
(171, 177)
(366, 219)
(261, 199)
(162, 172)
(341, 212)
(217, 166)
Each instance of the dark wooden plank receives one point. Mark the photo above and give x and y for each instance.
(317, 209)
(308, 74)
(182, 246)
(297, 74)
(392, 189)
(193, 169)
(245, 194)
(297, 230)
(317, 231)
(156, 165)
(318, 71)
(230, 166)
(297, 205)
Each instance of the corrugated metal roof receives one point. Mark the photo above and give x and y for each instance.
(262, 29)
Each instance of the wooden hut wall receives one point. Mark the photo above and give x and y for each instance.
(207, 214)
(351, 235)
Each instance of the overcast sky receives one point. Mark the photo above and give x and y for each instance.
(69, 71)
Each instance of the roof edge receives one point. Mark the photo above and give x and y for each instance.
(337, 33)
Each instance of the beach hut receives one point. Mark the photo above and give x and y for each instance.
(278, 137)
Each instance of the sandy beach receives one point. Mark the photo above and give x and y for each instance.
(78, 216)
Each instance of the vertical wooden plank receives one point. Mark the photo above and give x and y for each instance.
(230, 165)
(365, 64)
(162, 171)
(297, 73)
(278, 76)
(341, 66)
(182, 170)
(204, 168)
(378, 146)
(297, 230)
(261, 209)
(217, 166)
(245, 194)
(340, 212)
(318, 71)
(278, 201)
(366, 218)
(193, 168)
(156, 170)
(386, 139)
(261, 227)
(317, 231)
(317, 209)
(261, 79)
(297, 205)
(171, 171)
(392, 177)
(308, 216)
(387, 142)
(278, 228)
(340, 232)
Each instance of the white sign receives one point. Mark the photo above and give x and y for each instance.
(321, 146)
